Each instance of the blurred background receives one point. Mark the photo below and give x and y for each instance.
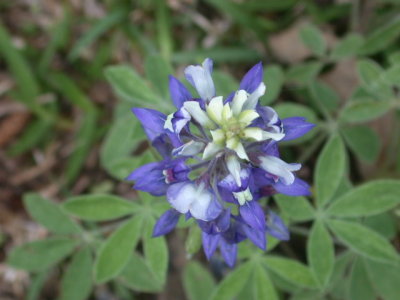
(60, 118)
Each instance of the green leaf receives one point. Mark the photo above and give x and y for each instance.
(363, 141)
(131, 87)
(312, 37)
(274, 79)
(360, 287)
(155, 251)
(384, 223)
(138, 276)
(77, 281)
(368, 199)
(98, 29)
(381, 37)
(392, 75)
(40, 255)
(157, 71)
(49, 214)
(197, 281)
(330, 169)
(385, 278)
(364, 111)
(99, 207)
(364, 241)
(371, 75)
(324, 97)
(193, 240)
(303, 73)
(263, 287)
(224, 83)
(298, 209)
(233, 283)
(115, 252)
(320, 253)
(291, 270)
(349, 46)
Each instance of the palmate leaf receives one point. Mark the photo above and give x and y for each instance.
(360, 287)
(312, 37)
(364, 241)
(157, 71)
(330, 169)
(197, 281)
(320, 253)
(368, 199)
(99, 207)
(77, 279)
(291, 270)
(297, 209)
(262, 284)
(115, 252)
(49, 214)
(233, 283)
(42, 254)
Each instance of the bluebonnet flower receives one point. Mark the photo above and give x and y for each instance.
(219, 158)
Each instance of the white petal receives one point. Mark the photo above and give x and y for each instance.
(226, 113)
(210, 150)
(214, 109)
(233, 165)
(181, 196)
(189, 149)
(194, 109)
(273, 136)
(218, 136)
(252, 100)
(168, 123)
(200, 206)
(278, 167)
(237, 146)
(254, 133)
(238, 101)
(200, 78)
(243, 196)
(248, 116)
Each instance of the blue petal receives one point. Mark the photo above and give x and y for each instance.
(179, 93)
(149, 178)
(166, 223)
(152, 121)
(252, 79)
(295, 127)
(256, 236)
(297, 188)
(276, 227)
(229, 252)
(253, 214)
(210, 243)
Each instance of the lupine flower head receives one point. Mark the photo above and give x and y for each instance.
(219, 158)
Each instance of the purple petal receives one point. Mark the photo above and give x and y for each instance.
(220, 224)
(210, 243)
(152, 121)
(229, 252)
(149, 178)
(271, 148)
(256, 236)
(297, 188)
(200, 78)
(166, 223)
(276, 227)
(253, 214)
(252, 79)
(179, 93)
(230, 184)
(295, 127)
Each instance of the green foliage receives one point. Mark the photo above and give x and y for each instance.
(98, 207)
(197, 281)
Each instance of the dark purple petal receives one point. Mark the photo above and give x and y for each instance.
(179, 93)
(252, 79)
(220, 224)
(256, 236)
(210, 243)
(295, 127)
(166, 223)
(229, 252)
(271, 148)
(152, 121)
(297, 188)
(229, 182)
(253, 214)
(276, 227)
